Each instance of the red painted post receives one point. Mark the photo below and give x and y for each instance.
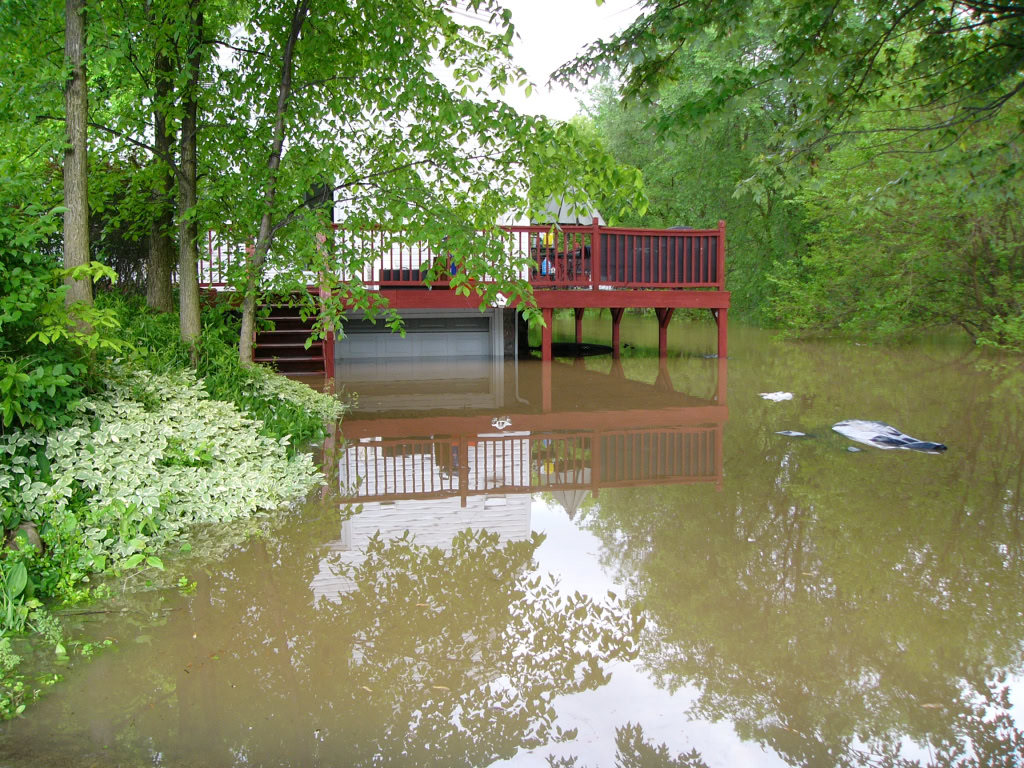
(722, 319)
(616, 320)
(545, 384)
(579, 324)
(595, 256)
(721, 255)
(723, 381)
(664, 316)
(545, 336)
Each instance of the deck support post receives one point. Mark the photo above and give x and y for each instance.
(545, 385)
(664, 317)
(545, 335)
(722, 321)
(578, 311)
(723, 381)
(616, 320)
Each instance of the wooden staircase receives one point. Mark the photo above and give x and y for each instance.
(285, 346)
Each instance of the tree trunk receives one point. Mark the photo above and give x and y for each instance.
(161, 244)
(188, 228)
(254, 270)
(76, 192)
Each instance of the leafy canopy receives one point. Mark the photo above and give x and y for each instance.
(941, 67)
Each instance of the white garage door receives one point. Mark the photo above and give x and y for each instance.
(458, 336)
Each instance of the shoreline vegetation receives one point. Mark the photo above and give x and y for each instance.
(152, 450)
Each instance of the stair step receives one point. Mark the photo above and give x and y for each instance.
(282, 354)
(283, 337)
(290, 323)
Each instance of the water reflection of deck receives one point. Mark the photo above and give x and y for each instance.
(464, 465)
(538, 442)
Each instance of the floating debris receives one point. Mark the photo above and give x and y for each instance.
(777, 397)
(853, 449)
(880, 435)
(791, 433)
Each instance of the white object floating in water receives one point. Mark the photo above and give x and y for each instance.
(880, 435)
(791, 433)
(777, 397)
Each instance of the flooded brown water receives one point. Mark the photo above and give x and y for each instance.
(503, 575)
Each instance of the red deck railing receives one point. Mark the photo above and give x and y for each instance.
(593, 257)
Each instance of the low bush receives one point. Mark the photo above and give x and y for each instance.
(281, 405)
(151, 457)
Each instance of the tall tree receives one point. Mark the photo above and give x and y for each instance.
(188, 184)
(161, 244)
(258, 257)
(76, 190)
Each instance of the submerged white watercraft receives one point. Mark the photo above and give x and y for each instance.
(880, 435)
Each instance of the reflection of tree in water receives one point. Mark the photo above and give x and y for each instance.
(435, 657)
(843, 609)
(467, 649)
(632, 750)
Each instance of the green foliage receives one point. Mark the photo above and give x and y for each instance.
(866, 159)
(20, 611)
(283, 407)
(38, 390)
(124, 480)
(927, 69)
(82, 325)
(39, 381)
(883, 260)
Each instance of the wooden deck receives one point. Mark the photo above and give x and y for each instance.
(576, 267)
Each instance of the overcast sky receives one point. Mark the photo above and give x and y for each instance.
(552, 32)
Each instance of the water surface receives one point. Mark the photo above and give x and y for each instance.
(575, 567)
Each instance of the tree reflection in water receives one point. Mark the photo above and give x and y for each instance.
(632, 750)
(438, 656)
